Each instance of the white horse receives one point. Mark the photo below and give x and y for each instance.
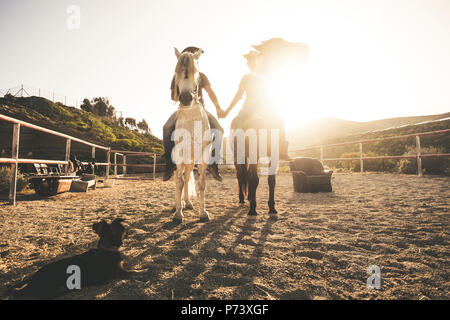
(192, 136)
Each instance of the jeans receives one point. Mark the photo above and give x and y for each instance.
(169, 127)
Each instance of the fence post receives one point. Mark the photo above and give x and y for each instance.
(67, 158)
(321, 155)
(419, 157)
(108, 159)
(115, 164)
(361, 161)
(93, 153)
(124, 165)
(14, 155)
(154, 166)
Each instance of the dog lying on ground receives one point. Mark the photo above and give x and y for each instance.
(96, 267)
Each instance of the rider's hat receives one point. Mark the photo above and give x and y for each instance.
(192, 50)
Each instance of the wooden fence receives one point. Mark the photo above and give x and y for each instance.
(361, 157)
(15, 160)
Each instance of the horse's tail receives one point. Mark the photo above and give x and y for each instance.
(244, 188)
(191, 186)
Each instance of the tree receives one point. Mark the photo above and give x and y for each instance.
(143, 125)
(120, 121)
(130, 122)
(87, 106)
(101, 106)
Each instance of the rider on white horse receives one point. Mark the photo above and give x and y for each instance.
(192, 135)
(169, 126)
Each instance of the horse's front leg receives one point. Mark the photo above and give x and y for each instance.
(187, 175)
(241, 173)
(204, 215)
(253, 181)
(179, 181)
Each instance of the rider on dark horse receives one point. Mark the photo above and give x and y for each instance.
(169, 127)
(258, 102)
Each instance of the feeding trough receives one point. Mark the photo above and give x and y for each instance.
(309, 175)
(84, 183)
(48, 181)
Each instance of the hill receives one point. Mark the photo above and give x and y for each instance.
(68, 120)
(325, 129)
(439, 143)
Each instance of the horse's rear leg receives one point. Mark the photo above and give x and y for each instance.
(204, 215)
(271, 179)
(253, 181)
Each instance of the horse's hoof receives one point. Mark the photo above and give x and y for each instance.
(273, 211)
(252, 213)
(173, 210)
(205, 217)
(177, 220)
(189, 207)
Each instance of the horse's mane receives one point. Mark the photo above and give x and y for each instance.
(186, 66)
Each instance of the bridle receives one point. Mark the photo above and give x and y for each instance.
(195, 93)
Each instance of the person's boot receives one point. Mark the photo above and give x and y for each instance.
(168, 173)
(214, 170)
(284, 151)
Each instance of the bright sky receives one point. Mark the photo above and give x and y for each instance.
(369, 59)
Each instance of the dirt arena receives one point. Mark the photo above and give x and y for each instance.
(319, 247)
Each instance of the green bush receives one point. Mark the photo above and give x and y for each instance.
(407, 166)
(5, 178)
(429, 165)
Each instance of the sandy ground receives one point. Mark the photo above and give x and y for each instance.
(319, 247)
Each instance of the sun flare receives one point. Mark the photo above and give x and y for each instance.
(293, 94)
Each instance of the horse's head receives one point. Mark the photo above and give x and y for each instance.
(187, 76)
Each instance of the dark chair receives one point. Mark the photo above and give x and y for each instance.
(309, 175)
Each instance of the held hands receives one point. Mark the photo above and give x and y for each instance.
(221, 114)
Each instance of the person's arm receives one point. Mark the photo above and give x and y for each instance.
(214, 100)
(238, 96)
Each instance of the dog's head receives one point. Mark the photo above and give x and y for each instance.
(111, 234)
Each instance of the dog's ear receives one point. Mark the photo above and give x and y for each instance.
(98, 226)
(118, 221)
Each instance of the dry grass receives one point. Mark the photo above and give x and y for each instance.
(319, 247)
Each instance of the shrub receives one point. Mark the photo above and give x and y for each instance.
(429, 165)
(5, 178)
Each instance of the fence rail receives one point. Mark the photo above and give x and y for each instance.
(361, 157)
(14, 161)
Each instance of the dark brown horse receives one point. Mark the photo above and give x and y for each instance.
(247, 165)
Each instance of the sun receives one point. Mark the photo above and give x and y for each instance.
(293, 93)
